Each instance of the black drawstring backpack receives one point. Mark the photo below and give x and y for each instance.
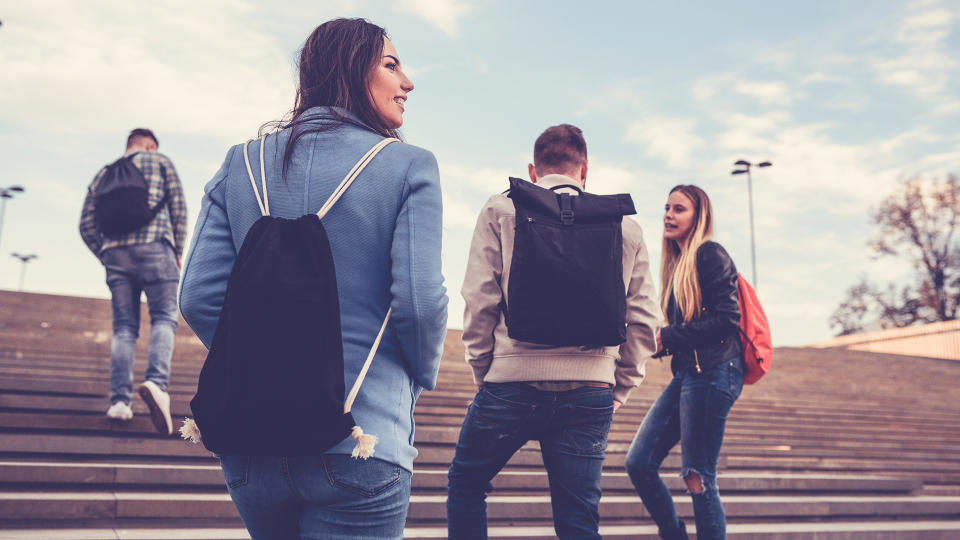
(566, 272)
(121, 199)
(272, 383)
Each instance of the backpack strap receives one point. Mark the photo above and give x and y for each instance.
(352, 175)
(348, 403)
(264, 203)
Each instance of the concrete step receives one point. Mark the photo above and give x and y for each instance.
(60, 414)
(835, 530)
(154, 444)
(107, 504)
(86, 474)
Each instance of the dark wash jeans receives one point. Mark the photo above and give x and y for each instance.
(326, 497)
(131, 271)
(572, 428)
(691, 410)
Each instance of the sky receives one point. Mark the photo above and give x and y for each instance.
(844, 98)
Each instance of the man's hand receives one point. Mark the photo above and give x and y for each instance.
(659, 341)
(616, 405)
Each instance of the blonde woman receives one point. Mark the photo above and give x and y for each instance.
(698, 296)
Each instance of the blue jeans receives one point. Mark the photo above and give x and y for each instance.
(329, 497)
(572, 428)
(132, 270)
(691, 410)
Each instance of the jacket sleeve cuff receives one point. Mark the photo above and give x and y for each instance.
(668, 338)
(480, 367)
(621, 393)
(479, 373)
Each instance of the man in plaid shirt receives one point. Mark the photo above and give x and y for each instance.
(146, 260)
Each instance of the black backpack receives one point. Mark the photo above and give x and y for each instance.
(121, 199)
(272, 383)
(566, 273)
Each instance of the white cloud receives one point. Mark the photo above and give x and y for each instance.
(205, 66)
(444, 15)
(670, 139)
(926, 20)
(606, 179)
(769, 93)
(816, 78)
(705, 88)
(416, 71)
(948, 107)
(749, 132)
(924, 65)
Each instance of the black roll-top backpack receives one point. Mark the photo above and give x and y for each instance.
(566, 272)
(122, 199)
(272, 383)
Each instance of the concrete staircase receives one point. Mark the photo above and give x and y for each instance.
(832, 445)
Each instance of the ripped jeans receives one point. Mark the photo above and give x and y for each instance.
(572, 428)
(691, 410)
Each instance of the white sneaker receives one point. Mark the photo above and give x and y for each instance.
(120, 411)
(159, 403)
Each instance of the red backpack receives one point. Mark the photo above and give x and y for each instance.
(754, 333)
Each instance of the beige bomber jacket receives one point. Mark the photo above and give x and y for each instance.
(495, 357)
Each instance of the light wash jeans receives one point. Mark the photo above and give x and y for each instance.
(692, 410)
(572, 428)
(327, 497)
(132, 270)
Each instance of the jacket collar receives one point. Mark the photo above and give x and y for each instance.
(325, 113)
(550, 181)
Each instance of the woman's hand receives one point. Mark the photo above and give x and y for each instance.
(616, 405)
(661, 352)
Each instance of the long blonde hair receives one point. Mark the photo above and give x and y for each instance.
(678, 263)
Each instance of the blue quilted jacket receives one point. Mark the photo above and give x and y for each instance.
(385, 237)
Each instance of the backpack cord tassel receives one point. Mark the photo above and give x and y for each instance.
(190, 431)
(365, 443)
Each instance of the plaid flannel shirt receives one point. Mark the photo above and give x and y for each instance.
(170, 223)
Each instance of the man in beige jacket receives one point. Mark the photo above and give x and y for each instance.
(564, 397)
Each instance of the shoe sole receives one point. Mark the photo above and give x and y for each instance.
(159, 419)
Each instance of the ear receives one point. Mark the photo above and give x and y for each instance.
(532, 171)
(583, 173)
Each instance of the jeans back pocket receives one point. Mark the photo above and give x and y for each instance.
(236, 470)
(366, 477)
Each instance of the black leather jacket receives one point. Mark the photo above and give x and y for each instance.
(713, 337)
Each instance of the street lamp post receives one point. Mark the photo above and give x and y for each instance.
(7, 193)
(23, 267)
(746, 169)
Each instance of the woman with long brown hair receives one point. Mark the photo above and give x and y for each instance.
(698, 296)
(350, 102)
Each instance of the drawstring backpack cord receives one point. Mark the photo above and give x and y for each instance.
(365, 441)
(190, 430)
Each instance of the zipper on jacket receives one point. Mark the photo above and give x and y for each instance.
(696, 361)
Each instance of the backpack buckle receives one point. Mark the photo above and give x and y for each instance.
(566, 209)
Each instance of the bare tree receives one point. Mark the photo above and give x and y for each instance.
(918, 222)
